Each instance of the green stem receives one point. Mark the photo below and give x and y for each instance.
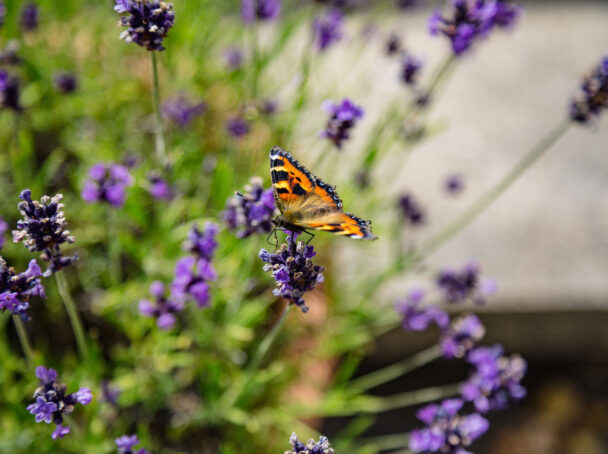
(161, 152)
(70, 307)
(420, 396)
(267, 342)
(256, 60)
(396, 370)
(486, 199)
(24, 340)
(114, 247)
(386, 442)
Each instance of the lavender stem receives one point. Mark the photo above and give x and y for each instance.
(70, 307)
(24, 340)
(267, 342)
(161, 152)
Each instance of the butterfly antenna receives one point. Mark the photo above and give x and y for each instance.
(255, 202)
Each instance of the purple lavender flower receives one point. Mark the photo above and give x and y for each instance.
(262, 10)
(17, 289)
(411, 210)
(467, 21)
(163, 309)
(343, 117)
(191, 280)
(65, 82)
(181, 111)
(29, 17)
(311, 447)
(233, 58)
(447, 431)
(407, 4)
(410, 67)
(202, 244)
(269, 106)
(44, 229)
(417, 318)
(496, 379)
(393, 45)
(3, 229)
(293, 270)
(107, 183)
(453, 184)
(238, 127)
(327, 29)
(148, 23)
(159, 188)
(109, 393)
(461, 336)
(126, 445)
(252, 213)
(9, 92)
(593, 97)
(52, 403)
(463, 285)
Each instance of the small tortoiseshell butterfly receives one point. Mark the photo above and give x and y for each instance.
(306, 202)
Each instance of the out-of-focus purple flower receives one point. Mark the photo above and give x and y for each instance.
(109, 393)
(65, 82)
(44, 229)
(159, 188)
(593, 96)
(2, 13)
(407, 4)
(52, 402)
(466, 21)
(454, 184)
(126, 445)
(262, 10)
(9, 92)
(202, 244)
(411, 210)
(294, 272)
(251, 212)
(463, 285)
(233, 58)
(3, 229)
(447, 431)
(410, 67)
(269, 106)
(393, 45)
(191, 280)
(417, 317)
(148, 23)
(327, 29)
(343, 117)
(29, 17)
(238, 127)
(181, 111)
(163, 309)
(107, 183)
(461, 336)
(496, 379)
(311, 447)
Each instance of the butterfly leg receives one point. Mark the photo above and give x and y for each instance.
(312, 235)
(276, 240)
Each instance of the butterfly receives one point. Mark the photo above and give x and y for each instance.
(306, 202)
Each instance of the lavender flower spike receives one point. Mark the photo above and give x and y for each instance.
(327, 30)
(202, 243)
(17, 289)
(343, 117)
(182, 111)
(417, 318)
(593, 96)
(148, 23)
(466, 284)
(163, 308)
(3, 229)
(9, 92)
(293, 270)
(126, 444)
(262, 10)
(107, 183)
(52, 402)
(191, 281)
(411, 209)
(311, 447)
(461, 336)
(251, 213)
(29, 17)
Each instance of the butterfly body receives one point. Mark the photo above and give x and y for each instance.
(306, 202)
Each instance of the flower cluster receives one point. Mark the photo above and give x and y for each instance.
(65, 83)
(237, 126)
(107, 183)
(263, 10)
(193, 272)
(252, 212)
(159, 188)
(9, 91)
(126, 445)
(293, 270)
(148, 23)
(461, 336)
(447, 431)
(411, 210)
(181, 111)
(464, 285)
(417, 317)
(29, 17)
(3, 229)
(593, 97)
(343, 117)
(17, 289)
(162, 309)
(496, 379)
(469, 20)
(44, 229)
(327, 30)
(52, 402)
(311, 447)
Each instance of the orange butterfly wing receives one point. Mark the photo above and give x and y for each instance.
(307, 202)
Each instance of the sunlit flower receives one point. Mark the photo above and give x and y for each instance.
(148, 23)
